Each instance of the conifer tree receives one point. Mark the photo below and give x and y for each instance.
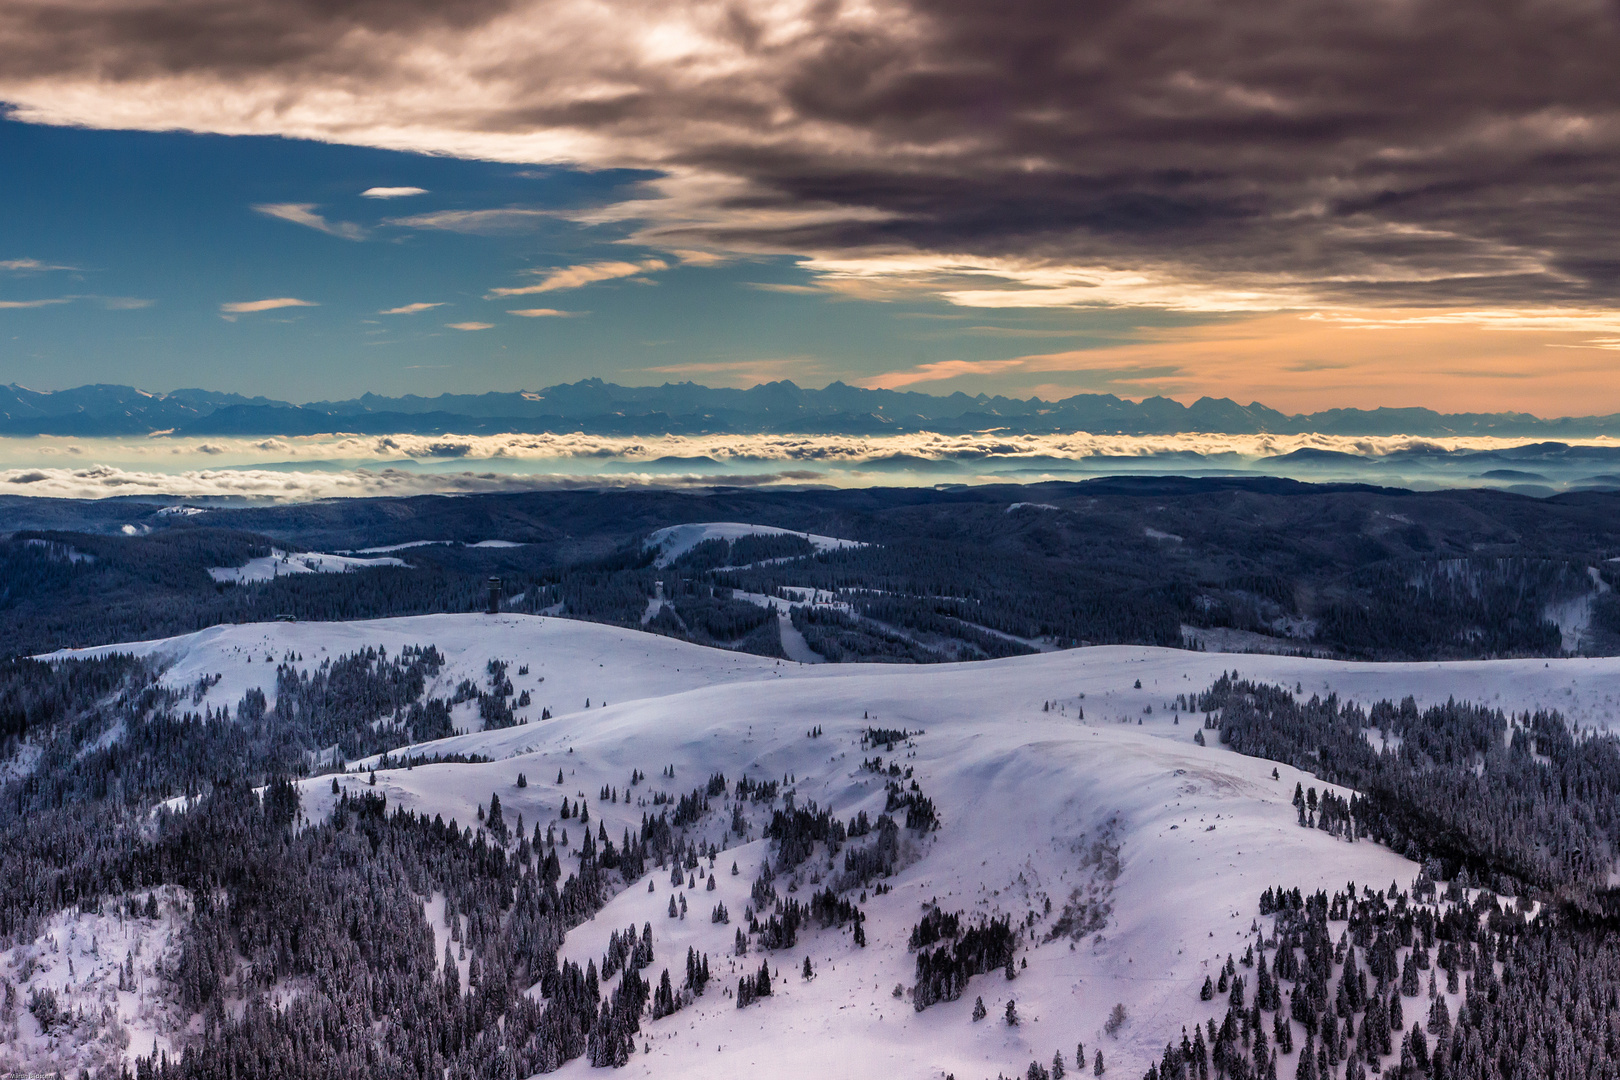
(1282, 1033)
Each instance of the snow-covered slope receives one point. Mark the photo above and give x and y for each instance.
(591, 660)
(280, 563)
(1155, 848)
(677, 540)
(432, 543)
(570, 662)
(107, 968)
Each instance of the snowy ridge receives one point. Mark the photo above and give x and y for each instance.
(1052, 779)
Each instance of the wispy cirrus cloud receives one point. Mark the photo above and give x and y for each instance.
(304, 214)
(1543, 320)
(939, 370)
(31, 266)
(786, 288)
(478, 222)
(111, 303)
(574, 277)
(230, 311)
(750, 372)
(411, 309)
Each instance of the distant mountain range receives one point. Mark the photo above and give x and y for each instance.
(602, 408)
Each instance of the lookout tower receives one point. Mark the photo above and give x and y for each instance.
(494, 597)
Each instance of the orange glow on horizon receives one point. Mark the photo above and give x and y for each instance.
(1538, 363)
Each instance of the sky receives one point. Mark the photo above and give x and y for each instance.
(1312, 205)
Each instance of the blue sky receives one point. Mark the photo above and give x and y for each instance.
(142, 239)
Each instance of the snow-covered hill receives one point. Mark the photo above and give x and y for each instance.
(1072, 798)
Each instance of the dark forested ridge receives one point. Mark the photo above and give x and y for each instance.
(1412, 984)
(944, 574)
(1521, 802)
(1518, 950)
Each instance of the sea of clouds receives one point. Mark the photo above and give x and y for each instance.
(340, 465)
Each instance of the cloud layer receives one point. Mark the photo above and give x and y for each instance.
(340, 466)
(563, 450)
(103, 481)
(1193, 154)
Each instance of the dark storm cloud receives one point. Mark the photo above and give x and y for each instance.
(1389, 153)
(126, 41)
(1381, 152)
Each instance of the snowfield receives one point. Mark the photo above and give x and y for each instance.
(1056, 780)
(433, 543)
(677, 540)
(280, 563)
(106, 970)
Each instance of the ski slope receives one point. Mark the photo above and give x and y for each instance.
(1157, 846)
